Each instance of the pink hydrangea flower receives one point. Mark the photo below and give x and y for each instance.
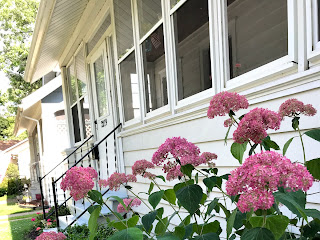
(261, 175)
(79, 181)
(223, 102)
(38, 228)
(33, 219)
(293, 108)
(129, 203)
(140, 168)
(229, 122)
(116, 179)
(254, 124)
(182, 151)
(51, 236)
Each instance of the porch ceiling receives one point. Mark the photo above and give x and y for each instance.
(55, 24)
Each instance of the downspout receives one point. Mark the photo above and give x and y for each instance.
(39, 134)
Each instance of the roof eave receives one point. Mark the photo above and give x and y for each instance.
(42, 22)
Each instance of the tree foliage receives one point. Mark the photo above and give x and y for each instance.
(17, 19)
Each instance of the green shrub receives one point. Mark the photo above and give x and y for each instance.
(15, 186)
(3, 191)
(82, 232)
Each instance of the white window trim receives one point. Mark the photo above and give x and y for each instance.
(313, 43)
(282, 66)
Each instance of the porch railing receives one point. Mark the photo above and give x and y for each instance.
(92, 154)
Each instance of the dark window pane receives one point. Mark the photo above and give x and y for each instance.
(155, 70)
(76, 127)
(258, 33)
(191, 22)
(84, 104)
(101, 89)
(72, 84)
(130, 88)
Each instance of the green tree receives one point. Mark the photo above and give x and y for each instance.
(17, 19)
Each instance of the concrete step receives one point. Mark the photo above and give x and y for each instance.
(64, 221)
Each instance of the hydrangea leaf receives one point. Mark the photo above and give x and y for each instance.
(314, 167)
(170, 196)
(276, 224)
(258, 234)
(311, 229)
(128, 234)
(237, 150)
(230, 222)
(148, 219)
(190, 197)
(286, 145)
(161, 226)
(314, 133)
(92, 224)
(155, 198)
(208, 236)
(95, 196)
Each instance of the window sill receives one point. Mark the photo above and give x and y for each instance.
(266, 73)
(314, 56)
(158, 113)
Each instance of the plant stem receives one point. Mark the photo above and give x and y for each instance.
(304, 153)
(165, 197)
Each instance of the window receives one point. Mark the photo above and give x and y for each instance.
(153, 54)
(192, 45)
(79, 98)
(257, 33)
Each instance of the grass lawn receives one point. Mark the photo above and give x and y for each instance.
(29, 216)
(11, 209)
(15, 230)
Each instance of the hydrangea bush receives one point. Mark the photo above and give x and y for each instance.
(251, 198)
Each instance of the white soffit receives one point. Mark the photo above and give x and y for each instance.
(55, 24)
(31, 106)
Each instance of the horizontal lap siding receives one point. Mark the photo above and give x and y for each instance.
(208, 135)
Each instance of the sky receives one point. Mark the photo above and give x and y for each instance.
(4, 82)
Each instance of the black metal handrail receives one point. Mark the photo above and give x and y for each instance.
(85, 211)
(90, 151)
(41, 178)
(56, 206)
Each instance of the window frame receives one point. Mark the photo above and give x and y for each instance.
(71, 105)
(313, 41)
(280, 67)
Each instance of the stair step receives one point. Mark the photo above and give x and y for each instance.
(64, 221)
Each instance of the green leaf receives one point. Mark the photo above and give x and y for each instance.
(155, 198)
(161, 226)
(208, 236)
(230, 222)
(197, 178)
(212, 227)
(268, 144)
(168, 236)
(314, 213)
(92, 224)
(132, 222)
(161, 177)
(204, 198)
(185, 221)
(128, 234)
(312, 228)
(181, 185)
(187, 170)
(190, 197)
(258, 234)
(252, 149)
(150, 188)
(170, 196)
(276, 224)
(294, 201)
(211, 182)
(237, 150)
(148, 219)
(95, 196)
(313, 167)
(286, 145)
(212, 205)
(295, 123)
(120, 225)
(314, 133)
(92, 208)
(225, 210)
(160, 212)
(179, 232)
(238, 222)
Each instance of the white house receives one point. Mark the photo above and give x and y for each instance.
(154, 66)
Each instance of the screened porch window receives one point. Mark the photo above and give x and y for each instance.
(257, 33)
(79, 98)
(130, 88)
(192, 44)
